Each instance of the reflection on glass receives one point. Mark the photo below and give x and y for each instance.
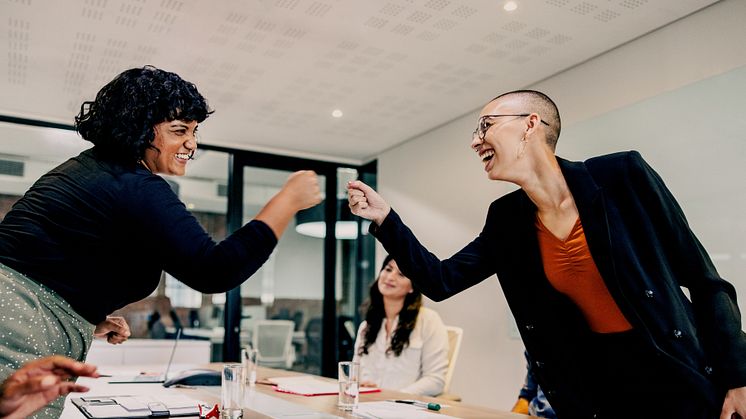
(286, 294)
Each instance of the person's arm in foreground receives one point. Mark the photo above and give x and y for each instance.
(114, 329)
(437, 279)
(39, 382)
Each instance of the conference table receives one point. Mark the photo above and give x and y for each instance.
(263, 401)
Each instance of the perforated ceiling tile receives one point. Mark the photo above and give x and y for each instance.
(93, 9)
(318, 9)
(18, 45)
(264, 26)
(295, 33)
(559, 39)
(464, 12)
(606, 15)
(402, 29)
(376, 22)
(583, 8)
(445, 24)
(537, 33)
(514, 26)
(391, 9)
(419, 17)
(632, 4)
(558, 3)
(437, 4)
(493, 37)
(287, 4)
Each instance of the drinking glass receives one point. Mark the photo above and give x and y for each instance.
(231, 394)
(349, 382)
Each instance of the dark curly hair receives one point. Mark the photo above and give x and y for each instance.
(120, 121)
(375, 314)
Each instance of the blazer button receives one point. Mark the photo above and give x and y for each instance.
(539, 364)
(649, 293)
(708, 370)
(529, 327)
(677, 333)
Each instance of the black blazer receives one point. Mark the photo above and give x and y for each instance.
(645, 251)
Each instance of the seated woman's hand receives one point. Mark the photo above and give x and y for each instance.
(368, 384)
(39, 382)
(115, 329)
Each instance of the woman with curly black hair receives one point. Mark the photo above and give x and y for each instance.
(401, 345)
(95, 233)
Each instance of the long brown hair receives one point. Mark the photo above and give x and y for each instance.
(375, 314)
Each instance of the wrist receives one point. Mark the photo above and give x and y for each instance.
(379, 220)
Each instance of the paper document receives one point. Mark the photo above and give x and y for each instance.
(311, 386)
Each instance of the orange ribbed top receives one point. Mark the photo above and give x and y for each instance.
(570, 269)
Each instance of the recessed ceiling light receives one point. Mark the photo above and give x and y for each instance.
(337, 113)
(510, 6)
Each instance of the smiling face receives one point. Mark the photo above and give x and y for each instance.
(174, 144)
(392, 283)
(503, 134)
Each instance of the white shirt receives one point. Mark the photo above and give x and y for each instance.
(421, 367)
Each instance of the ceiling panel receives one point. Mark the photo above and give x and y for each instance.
(274, 70)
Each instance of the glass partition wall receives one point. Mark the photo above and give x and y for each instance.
(314, 281)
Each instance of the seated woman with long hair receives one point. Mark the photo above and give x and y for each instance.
(401, 345)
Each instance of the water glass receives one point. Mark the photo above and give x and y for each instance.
(231, 394)
(349, 382)
(248, 357)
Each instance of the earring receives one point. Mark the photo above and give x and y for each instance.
(522, 149)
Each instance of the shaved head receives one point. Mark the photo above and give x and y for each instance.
(531, 101)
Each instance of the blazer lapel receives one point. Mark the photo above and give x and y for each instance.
(589, 199)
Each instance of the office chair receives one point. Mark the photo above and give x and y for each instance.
(455, 335)
(273, 341)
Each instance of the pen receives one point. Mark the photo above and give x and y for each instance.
(429, 406)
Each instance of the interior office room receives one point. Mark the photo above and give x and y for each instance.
(388, 92)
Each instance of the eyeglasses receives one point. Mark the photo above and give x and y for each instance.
(483, 126)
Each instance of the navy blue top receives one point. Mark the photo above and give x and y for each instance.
(100, 234)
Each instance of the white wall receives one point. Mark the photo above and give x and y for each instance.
(677, 95)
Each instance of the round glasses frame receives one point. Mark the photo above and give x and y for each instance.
(483, 126)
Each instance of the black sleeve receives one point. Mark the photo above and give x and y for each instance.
(435, 278)
(186, 250)
(713, 298)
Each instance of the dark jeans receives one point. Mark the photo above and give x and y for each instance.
(633, 382)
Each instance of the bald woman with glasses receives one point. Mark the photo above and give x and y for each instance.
(591, 257)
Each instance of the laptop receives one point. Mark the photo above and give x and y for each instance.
(148, 378)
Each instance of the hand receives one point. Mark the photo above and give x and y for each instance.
(115, 329)
(365, 202)
(735, 404)
(520, 406)
(302, 188)
(368, 384)
(39, 382)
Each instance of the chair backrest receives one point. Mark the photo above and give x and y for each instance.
(454, 345)
(273, 341)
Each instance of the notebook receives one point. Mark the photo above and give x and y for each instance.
(305, 385)
(148, 378)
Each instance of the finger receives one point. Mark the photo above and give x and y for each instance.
(354, 200)
(30, 386)
(362, 186)
(70, 367)
(70, 387)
